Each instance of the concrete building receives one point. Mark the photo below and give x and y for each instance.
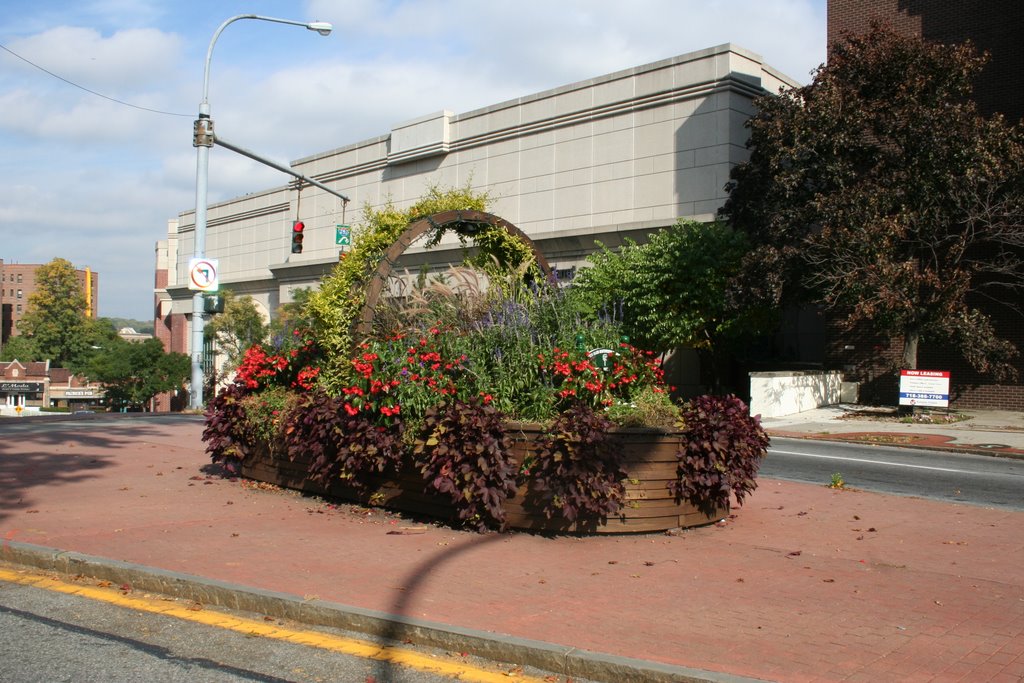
(18, 283)
(611, 157)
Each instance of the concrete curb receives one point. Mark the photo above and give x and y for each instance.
(560, 659)
(1013, 453)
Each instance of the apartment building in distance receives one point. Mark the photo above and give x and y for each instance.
(18, 283)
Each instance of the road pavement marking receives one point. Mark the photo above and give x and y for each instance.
(347, 646)
(876, 462)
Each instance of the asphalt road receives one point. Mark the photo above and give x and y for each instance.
(940, 475)
(47, 636)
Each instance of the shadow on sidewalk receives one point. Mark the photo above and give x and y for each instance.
(22, 472)
(55, 457)
(414, 580)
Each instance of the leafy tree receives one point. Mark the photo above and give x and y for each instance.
(879, 191)
(99, 334)
(55, 317)
(672, 290)
(236, 329)
(134, 372)
(19, 348)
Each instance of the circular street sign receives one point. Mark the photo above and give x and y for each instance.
(202, 275)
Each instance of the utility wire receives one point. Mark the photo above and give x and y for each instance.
(91, 92)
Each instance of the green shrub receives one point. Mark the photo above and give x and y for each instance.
(647, 408)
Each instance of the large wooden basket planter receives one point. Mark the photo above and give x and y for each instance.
(650, 463)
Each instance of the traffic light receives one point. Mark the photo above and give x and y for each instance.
(213, 303)
(297, 228)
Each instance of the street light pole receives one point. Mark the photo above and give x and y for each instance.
(202, 140)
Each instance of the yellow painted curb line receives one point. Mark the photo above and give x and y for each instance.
(250, 627)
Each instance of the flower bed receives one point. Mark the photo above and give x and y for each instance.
(433, 410)
(650, 462)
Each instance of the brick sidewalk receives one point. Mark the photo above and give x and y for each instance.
(803, 583)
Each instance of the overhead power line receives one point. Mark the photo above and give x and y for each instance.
(91, 92)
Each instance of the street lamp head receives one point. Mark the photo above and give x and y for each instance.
(324, 28)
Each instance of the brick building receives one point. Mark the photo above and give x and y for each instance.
(27, 387)
(992, 26)
(18, 283)
(169, 327)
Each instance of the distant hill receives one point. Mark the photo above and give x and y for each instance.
(140, 326)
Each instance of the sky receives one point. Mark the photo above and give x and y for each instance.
(98, 100)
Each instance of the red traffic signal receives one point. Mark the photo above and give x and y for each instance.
(297, 228)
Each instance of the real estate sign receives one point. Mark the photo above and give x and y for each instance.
(924, 388)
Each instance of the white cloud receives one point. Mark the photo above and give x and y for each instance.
(79, 121)
(532, 41)
(126, 61)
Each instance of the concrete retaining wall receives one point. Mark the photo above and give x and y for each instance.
(775, 394)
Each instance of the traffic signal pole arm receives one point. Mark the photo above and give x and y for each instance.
(273, 164)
